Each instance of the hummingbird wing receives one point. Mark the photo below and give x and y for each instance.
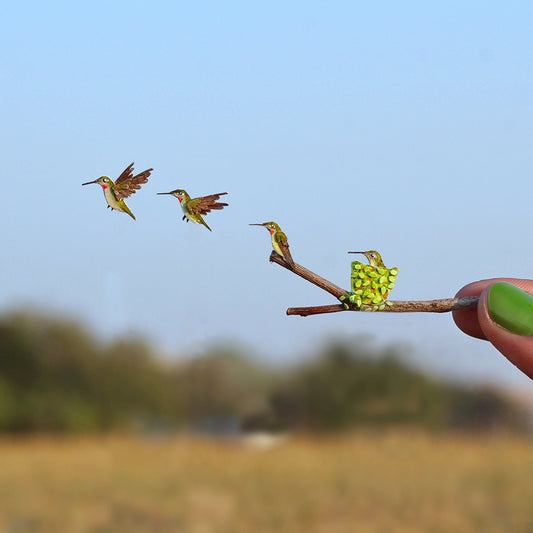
(283, 243)
(204, 204)
(127, 183)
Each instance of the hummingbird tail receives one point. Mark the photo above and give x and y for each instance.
(127, 210)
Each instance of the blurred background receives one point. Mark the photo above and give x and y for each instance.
(149, 377)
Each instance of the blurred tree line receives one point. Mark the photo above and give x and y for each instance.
(56, 377)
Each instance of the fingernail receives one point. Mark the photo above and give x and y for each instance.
(511, 308)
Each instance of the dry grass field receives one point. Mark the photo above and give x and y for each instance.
(387, 482)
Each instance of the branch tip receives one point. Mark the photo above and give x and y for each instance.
(392, 306)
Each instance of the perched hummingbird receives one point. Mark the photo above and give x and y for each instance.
(374, 258)
(125, 186)
(194, 208)
(279, 241)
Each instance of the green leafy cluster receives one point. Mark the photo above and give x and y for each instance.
(371, 286)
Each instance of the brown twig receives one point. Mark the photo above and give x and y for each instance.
(393, 306)
(313, 278)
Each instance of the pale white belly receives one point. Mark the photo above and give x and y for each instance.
(111, 200)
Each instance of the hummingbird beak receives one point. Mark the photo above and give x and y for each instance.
(164, 193)
(356, 252)
(255, 224)
(89, 182)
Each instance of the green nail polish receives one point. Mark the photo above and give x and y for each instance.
(511, 308)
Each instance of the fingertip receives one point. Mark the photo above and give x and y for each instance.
(516, 347)
(467, 321)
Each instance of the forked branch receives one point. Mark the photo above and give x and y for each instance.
(393, 306)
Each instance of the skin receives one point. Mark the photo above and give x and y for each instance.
(479, 324)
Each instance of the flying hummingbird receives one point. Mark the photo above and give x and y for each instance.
(279, 241)
(374, 258)
(125, 186)
(194, 208)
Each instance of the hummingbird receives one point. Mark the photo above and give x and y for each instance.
(374, 258)
(194, 208)
(279, 241)
(125, 186)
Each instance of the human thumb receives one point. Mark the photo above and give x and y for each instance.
(505, 314)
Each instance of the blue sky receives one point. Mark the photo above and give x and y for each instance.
(405, 128)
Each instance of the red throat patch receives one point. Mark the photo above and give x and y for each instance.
(104, 186)
(180, 199)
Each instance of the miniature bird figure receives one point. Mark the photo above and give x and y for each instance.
(194, 208)
(374, 258)
(279, 241)
(125, 186)
(371, 284)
